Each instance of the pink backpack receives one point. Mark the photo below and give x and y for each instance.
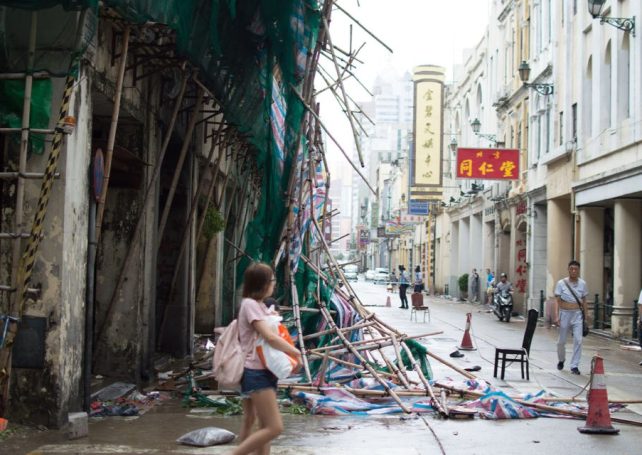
(229, 358)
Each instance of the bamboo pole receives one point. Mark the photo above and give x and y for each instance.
(385, 340)
(395, 344)
(15, 303)
(307, 91)
(358, 326)
(353, 56)
(444, 401)
(362, 27)
(18, 221)
(451, 365)
(357, 392)
(210, 195)
(228, 171)
(355, 352)
(349, 364)
(111, 138)
(147, 199)
(303, 309)
(423, 379)
(297, 320)
(309, 109)
(359, 308)
(186, 230)
(189, 223)
(401, 369)
(347, 108)
(395, 369)
(179, 166)
(317, 270)
(322, 370)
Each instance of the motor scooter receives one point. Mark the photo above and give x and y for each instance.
(503, 305)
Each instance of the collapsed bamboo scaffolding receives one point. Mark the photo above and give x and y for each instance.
(378, 339)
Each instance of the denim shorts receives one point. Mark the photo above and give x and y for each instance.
(257, 380)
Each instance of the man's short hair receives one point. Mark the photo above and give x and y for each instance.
(574, 262)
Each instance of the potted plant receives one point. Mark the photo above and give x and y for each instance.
(463, 286)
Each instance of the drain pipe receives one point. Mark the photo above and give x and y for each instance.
(91, 281)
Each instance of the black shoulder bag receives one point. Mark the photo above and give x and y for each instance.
(585, 327)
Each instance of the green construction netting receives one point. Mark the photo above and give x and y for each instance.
(11, 104)
(250, 54)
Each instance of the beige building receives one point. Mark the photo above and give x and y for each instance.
(577, 121)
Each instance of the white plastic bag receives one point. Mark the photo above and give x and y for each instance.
(278, 362)
(208, 436)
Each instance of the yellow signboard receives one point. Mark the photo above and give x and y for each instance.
(428, 126)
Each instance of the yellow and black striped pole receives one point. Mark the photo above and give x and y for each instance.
(28, 258)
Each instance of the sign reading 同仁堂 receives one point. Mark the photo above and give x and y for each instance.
(489, 164)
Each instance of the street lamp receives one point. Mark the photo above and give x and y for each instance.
(623, 23)
(453, 145)
(364, 212)
(524, 74)
(476, 126)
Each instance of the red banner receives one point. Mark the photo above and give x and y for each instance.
(490, 164)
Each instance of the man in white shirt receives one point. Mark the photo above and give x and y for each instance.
(570, 293)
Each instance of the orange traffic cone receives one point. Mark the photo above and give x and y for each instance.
(388, 304)
(598, 420)
(466, 341)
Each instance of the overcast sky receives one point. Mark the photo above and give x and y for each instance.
(418, 31)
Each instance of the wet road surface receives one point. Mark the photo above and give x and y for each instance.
(156, 431)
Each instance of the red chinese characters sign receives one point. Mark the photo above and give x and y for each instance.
(491, 164)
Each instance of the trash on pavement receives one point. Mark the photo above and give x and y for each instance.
(205, 437)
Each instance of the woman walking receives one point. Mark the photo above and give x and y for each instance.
(258, 385)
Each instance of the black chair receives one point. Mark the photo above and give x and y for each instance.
(518, 355)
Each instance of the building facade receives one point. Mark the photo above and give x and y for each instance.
(576, 120)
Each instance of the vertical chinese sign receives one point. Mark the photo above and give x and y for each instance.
(492, 164)
(425, 160)
(521, 265)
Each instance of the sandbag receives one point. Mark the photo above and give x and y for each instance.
(208, 436)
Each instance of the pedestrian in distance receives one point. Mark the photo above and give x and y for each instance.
(403, 285)
(490, 281)
(570, 294)
(259, 385)
(418, 280)
(474, 286)
(393, 281)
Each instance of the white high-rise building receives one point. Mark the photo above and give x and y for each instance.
(387, 121)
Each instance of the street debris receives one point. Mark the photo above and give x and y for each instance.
(205, 437)
(135, 403)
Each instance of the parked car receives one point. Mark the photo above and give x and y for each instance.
(350, 271)
(370, 274)
(381, 275)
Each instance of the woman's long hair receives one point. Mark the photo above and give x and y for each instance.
(256, 281)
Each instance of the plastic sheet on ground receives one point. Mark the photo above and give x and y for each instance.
(498, 406)
(338, 401)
